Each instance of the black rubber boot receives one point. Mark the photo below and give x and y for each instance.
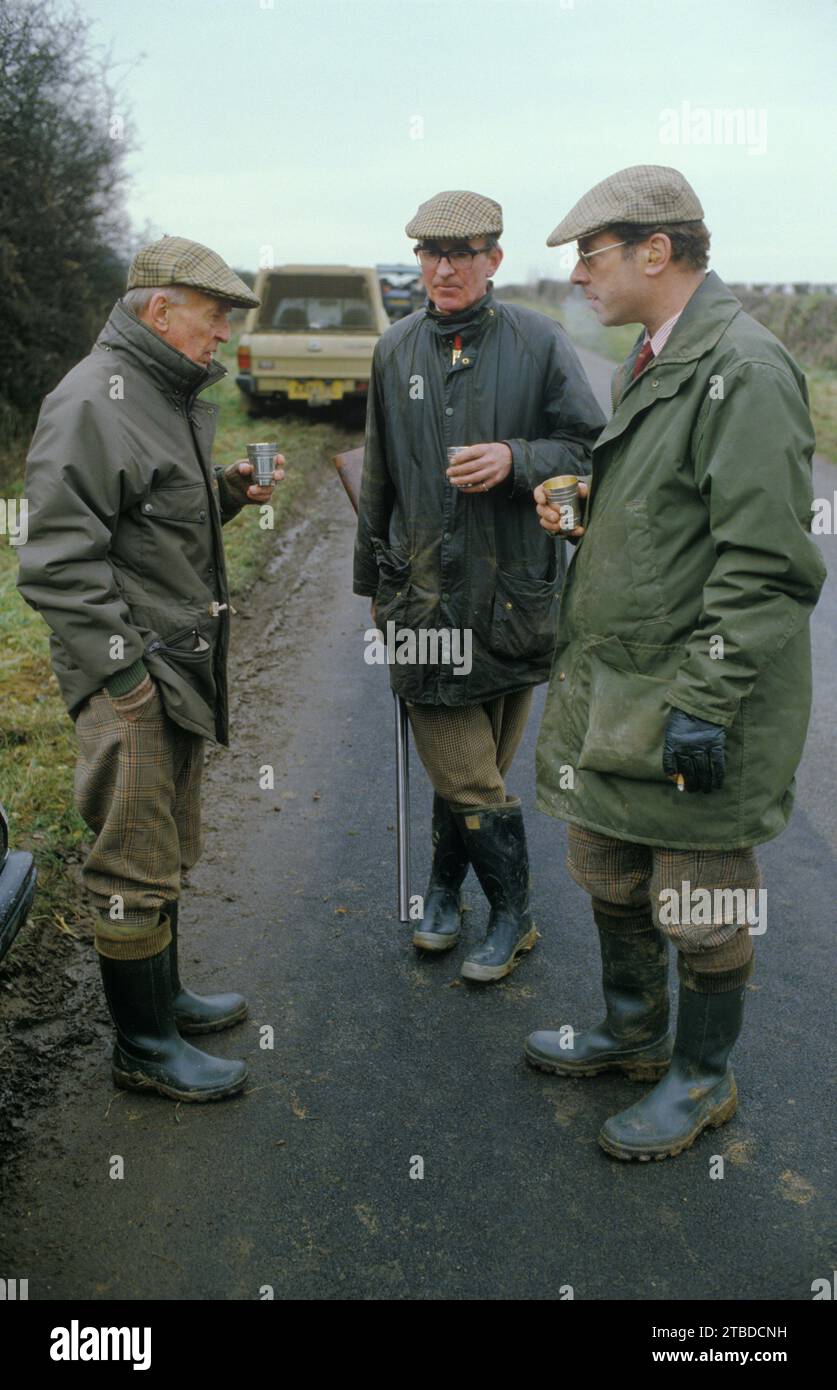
(698, 1089)
(495, 842)
(634, 1036)
(149, 1053)
(196, 1013)
(442, 921)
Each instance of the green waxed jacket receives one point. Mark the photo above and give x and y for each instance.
(436, 558)
(125, 516)
(693, 587)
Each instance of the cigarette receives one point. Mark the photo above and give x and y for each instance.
(681, 782)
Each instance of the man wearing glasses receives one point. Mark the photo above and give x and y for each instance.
(681, 685)
(454, 550)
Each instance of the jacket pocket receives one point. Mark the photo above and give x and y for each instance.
(185, 502)
(628, 714)
(524, 616)
(646, 581)
(183, 667)
(394, 588)
(188, 646)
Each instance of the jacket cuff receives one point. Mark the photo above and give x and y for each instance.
(126, 681)
(519, 477)
(230, 505)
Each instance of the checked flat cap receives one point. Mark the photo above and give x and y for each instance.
(456, 213)
(645, 194)
(173, 260)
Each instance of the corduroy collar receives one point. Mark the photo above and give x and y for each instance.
(173, 371)
(465, 322)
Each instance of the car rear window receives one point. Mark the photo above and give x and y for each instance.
(326, 303)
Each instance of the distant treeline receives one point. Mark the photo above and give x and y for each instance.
(802, 316)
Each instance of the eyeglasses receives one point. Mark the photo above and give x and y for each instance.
(457, 260)
(587, 256)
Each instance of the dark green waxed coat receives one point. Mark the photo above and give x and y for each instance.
(125, 515)
(698, 530)
(436, 558)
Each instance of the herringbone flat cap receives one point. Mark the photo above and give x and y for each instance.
(456, 213)
(643, 194)
(173, 260)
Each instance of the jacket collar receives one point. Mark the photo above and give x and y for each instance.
(174, 373)
(705, 318)
(706, 315)
(468, 323)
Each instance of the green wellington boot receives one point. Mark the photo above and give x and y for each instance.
(698, 1089)
(442, 921)
(495, 843)
(196, 1013)
(634, 1036)
(149, 1053)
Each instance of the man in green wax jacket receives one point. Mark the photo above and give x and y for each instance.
(681, 685)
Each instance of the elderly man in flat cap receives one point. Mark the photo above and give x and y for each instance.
(681, 685)
(125, 562)
(456, 548)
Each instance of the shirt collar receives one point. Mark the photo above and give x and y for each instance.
(662, 334)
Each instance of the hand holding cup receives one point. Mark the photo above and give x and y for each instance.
(262, 469)
(560, 501)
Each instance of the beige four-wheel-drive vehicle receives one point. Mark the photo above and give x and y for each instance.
(312, 337)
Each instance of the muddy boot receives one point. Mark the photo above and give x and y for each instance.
(442, 921)
(196, 1013)
(698, 1089)
(149, 1053)
(634, 1036)
(495, 843)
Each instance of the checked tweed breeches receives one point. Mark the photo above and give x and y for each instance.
(137, 785)
(468, 749)
(626, 882)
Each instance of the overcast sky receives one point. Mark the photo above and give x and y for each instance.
(309, 130)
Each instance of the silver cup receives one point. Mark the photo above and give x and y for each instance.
(452, 452)
(562, 494)
(261, 456)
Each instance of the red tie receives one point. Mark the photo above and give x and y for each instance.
(646, 352)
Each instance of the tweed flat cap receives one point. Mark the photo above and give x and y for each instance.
(456, 213)
(173, 260)
(643, 194)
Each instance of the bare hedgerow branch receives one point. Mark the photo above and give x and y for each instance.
(64, 135)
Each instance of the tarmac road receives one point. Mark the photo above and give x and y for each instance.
(381, 1057)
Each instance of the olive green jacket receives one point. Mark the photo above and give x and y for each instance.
(125, 559)
(692, 587)
(437, 558)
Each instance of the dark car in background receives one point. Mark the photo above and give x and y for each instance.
(402, 289)
(18, 878)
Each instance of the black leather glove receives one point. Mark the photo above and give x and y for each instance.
(695, 748)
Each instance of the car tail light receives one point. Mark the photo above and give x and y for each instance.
(244, 359)
(361, 385)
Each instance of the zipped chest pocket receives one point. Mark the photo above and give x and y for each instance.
(188, 644)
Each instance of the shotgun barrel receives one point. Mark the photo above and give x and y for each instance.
(350, 469)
